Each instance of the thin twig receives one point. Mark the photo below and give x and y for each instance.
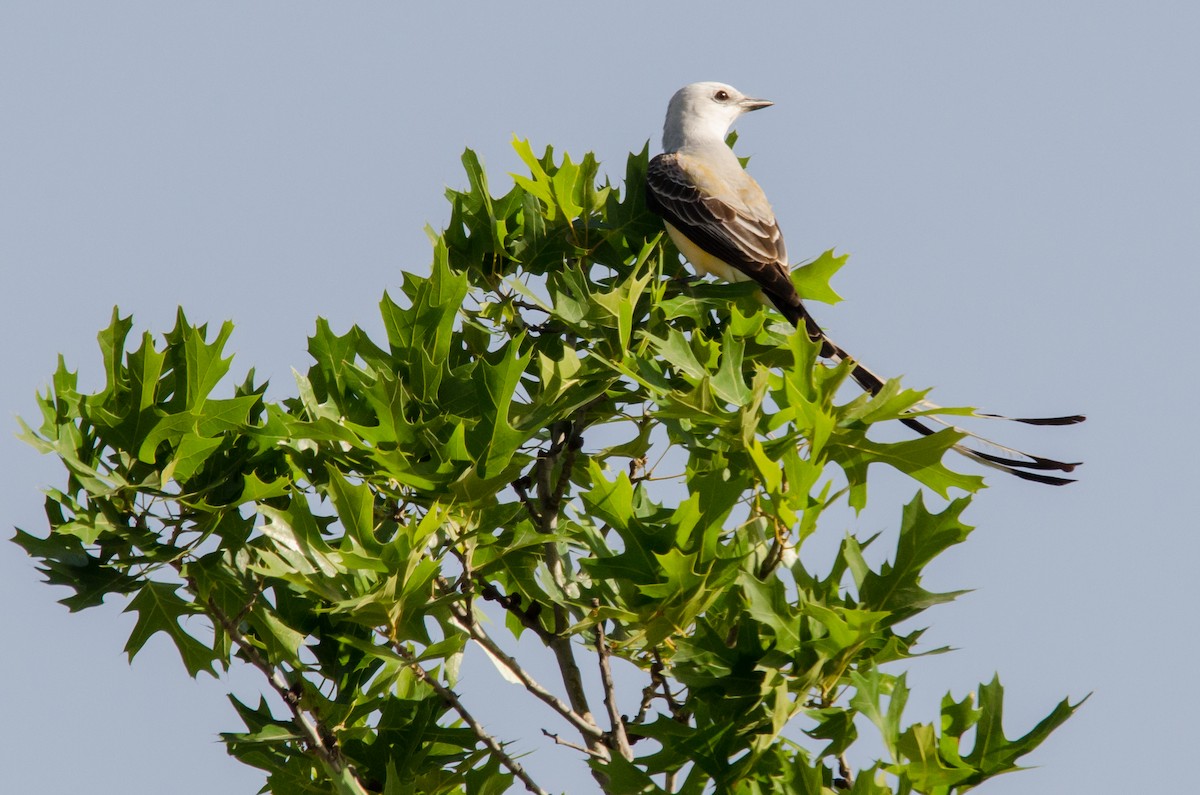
(521, 487)
(560, 741)
(648, 694)
(584, 724)
(610, 696)
(451, 698)
(656, 675)
(650, 691)
(313, 733)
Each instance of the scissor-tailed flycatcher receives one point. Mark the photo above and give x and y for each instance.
(720, 220)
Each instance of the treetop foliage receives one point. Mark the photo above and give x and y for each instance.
(560, 432)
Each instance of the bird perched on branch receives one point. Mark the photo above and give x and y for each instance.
(720, 220)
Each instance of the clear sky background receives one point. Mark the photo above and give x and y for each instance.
(1018, 185)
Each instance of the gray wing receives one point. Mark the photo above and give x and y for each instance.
(732, 222)
(717, 217)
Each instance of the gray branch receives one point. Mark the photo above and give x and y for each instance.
(451, 698)
(586, 726)
(620, 738)
(329, 756)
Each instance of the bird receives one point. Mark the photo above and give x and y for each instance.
(720, 220)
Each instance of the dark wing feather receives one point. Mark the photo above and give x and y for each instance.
(750, 242)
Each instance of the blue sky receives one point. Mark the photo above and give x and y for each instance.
(1018, 186)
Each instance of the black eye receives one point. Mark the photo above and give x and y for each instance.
(721, 96)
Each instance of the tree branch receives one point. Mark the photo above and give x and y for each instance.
(521, 487)
(847, 776)
(560, 741)
(528, 616)
(573, 443)
(584, 723)
(657, 677)
(610, 694)
(573, 681)
(549, 495)
(451, 698)
(314, 733)
(650, 691)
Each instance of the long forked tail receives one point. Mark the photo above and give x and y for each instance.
(1007, 459)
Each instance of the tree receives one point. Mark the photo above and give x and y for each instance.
(559, 430)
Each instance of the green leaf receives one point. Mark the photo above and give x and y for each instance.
(675, 350)
(159, 609)
(919, 458)
(355, 506)
(64, 561)
(923, 536)
(924, 765)
(812, 279)
(495, 437)
(993, 753)
(870, 688)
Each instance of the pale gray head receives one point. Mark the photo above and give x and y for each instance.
(701, 114)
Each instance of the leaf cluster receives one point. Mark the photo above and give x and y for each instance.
(556, 424)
